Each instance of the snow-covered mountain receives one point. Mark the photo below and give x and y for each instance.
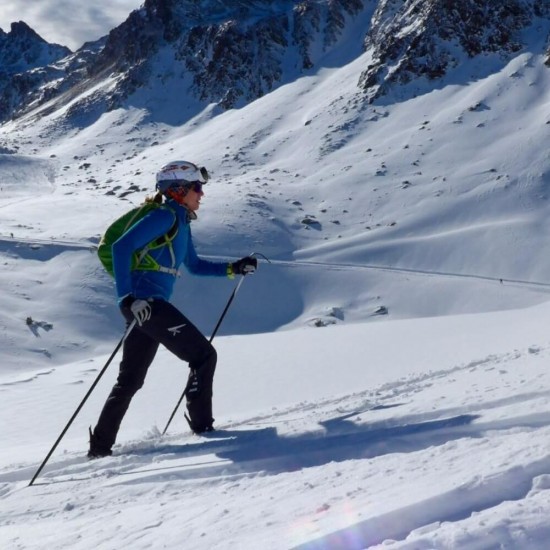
(231, 53)
(383, 380)
(25, 60)
(446, 174)
(21, 50)
(428, 39)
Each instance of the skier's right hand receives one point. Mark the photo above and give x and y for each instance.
(245, 265)
(139, 309)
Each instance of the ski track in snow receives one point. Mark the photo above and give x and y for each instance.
(359, 427)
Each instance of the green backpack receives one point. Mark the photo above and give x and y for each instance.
(141, 260)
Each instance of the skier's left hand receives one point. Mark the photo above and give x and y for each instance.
(140, 309)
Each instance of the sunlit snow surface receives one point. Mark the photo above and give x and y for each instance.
(383, 381)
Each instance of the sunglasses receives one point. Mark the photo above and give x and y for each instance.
(193, 185)
(196, 186)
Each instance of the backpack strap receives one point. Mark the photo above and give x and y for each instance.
(145, 262)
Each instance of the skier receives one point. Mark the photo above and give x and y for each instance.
(143, 295)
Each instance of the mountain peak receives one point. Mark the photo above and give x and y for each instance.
(23, 49)
(20, 29)
(22, 52)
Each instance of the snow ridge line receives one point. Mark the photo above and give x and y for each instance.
(76, 245)
(452, 506)
(92, 247)
(395, 269)
(410, 271)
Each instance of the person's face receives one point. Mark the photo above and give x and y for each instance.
(193, 198)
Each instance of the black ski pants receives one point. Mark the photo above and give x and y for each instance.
(169, 327)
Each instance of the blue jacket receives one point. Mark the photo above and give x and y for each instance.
(155, 284)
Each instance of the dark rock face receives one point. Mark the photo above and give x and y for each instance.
(230, 52)
(22, 54)
(427, 38)
(22, 49)
(233, 50)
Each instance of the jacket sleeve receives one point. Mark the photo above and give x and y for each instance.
(199, 266)
(153, 225)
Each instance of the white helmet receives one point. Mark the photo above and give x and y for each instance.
(180, 172)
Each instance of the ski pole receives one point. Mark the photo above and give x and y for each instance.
(231, 298)
(128, 330)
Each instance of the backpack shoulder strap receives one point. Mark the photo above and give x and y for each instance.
(144, 261)
(171, 233)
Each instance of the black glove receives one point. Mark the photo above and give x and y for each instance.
(244, 266)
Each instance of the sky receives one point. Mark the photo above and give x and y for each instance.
(67, 22)
(382, 382)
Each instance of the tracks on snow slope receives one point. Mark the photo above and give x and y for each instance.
(390, 423)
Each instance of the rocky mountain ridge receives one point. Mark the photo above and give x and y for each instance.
(22, 49)
(426, 39)
(232, 52)
(24, 55)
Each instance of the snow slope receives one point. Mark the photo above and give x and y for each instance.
(383, 382)
(328, 438)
